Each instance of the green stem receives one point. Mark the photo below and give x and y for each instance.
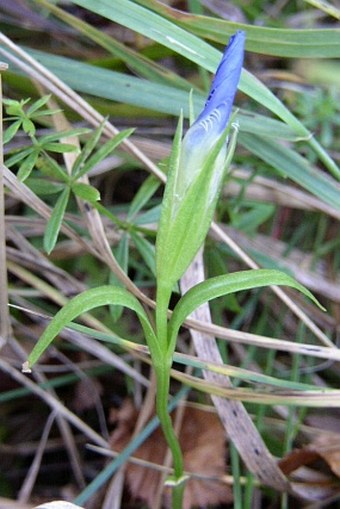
(162, 365)
(163, 382)
(325, 158)
(162, 305)
(177, 496)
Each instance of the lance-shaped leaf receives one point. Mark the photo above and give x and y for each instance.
(223, 285)
(84, 302)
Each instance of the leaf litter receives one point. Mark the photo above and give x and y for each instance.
(203, 441)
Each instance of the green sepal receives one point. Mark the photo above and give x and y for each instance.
(181, 233)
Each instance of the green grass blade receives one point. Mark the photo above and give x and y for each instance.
(140, 64)
(282, 42)
(293, 165)
(145, 249)
(143, 195)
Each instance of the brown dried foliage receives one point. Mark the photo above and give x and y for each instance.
(203, 444)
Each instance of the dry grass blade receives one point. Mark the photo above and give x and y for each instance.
(62, 423)
(247, 338)
(4, 313)
(298, 263)
(92, 217)
(236, 421)
(272, 191)
(27, 486)
(87, 344)
(52, 402)
(224, 237)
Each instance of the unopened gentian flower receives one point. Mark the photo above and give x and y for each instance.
(214, 118)
(196, 169)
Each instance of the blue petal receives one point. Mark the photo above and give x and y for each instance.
(215, 116)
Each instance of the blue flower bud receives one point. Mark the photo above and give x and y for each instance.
(213, 120)
(197, 166)
(215, 116)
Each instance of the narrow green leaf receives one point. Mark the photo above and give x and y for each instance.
(43, 186)
(64, 134)
(252, 219)
(146, 250)
(38, 104)
(104, 151)
(143, 195)
(165, 223)
(11, 131)
(88, 148)
(49, 166)
(19, 156)
(27, 166)
(223, 285)
(84, 302)
(60, 148)
(55, 221)
(122, 257)
(86, 192)
(44, 113)
(28, 126)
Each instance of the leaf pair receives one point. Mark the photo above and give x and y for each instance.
(203, 292)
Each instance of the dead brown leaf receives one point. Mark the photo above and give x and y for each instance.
(312, 468)
(87, 394)
(202, 440)
(327, 446)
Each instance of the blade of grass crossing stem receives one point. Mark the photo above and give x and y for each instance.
(235, 469)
